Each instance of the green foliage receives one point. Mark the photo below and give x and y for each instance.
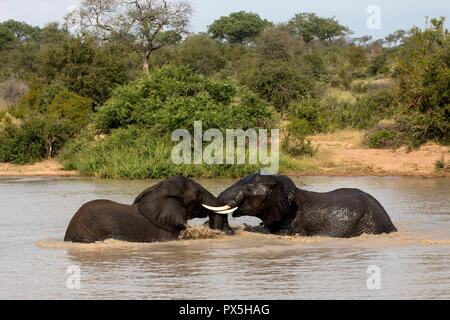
(294, 142)
(381, 139)
(278, 82)
(238, 27)
(48, 120)
(277, 43)
(137, 154)
(316, 65)
(309, 116)
(6, 38)
(71, 107)
(53, 80)
(358, 59)
(202, 54)
(379, 65)
(309, 26)
(54, 102)
(364, 113)
(82, 68)
(174, 97)
(424, 77)
(439, 165)
(36, 138)
(21, 30)
(21, 144)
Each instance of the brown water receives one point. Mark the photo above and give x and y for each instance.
(414, 262)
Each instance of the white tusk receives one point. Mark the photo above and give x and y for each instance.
(227, 211)
(216, 208)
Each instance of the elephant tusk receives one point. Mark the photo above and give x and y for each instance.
(227, 211)
(216, 208)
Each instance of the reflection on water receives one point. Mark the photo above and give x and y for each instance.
(250, 265)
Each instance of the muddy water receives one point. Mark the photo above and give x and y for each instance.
(414, 262)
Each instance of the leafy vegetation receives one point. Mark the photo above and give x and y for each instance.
(105, 96)
(238, 27)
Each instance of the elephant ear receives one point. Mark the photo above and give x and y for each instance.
(280, 200)
(162, 209)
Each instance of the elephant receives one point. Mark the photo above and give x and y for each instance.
(158, 214)
(286, 209)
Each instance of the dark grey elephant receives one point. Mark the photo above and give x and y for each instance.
(158, 214)
(284, 208)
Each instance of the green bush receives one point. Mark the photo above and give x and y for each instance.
(309, 116)
(294, 142)
(47, 121)
(137, 154)
(174, 97)
(36, 138)
(278, 82)
(368, 110)
(423, 76)
(439, 165)
(381, 140)
(22, 144)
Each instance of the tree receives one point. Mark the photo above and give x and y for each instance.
(48, 121)
(202, 54)
(310, 27)
(279, 82)
(395, 37)
(6, 38)
(21, 30)
(362, 41)
(423, 79)
(238, 27)
(144, 25)
(84, 67)
(277, 43)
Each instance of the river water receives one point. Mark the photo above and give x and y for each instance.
(413, 263)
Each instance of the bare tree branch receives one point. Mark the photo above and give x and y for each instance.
(144, 25)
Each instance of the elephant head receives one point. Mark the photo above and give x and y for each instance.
(172, 202)
(270, 198)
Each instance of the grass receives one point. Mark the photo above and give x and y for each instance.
(441, 166)
(340, 95)
(352, 137)
(128, 154)
(3, 105)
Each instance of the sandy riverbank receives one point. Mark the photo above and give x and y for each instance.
(46, 168)
(340, 154)
(343, 154)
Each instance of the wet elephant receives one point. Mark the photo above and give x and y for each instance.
(158, 214)
(284, 208)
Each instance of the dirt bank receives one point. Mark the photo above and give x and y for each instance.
(342, 154)
(45, 168)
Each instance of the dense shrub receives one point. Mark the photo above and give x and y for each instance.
(174, 97)
(423, 75)
(363, 113)
(294, 142)
(381, 139)
(279, 83)
(22, 144)
(201, 53)
(137, 154)
(309, 116)
(47, 120)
